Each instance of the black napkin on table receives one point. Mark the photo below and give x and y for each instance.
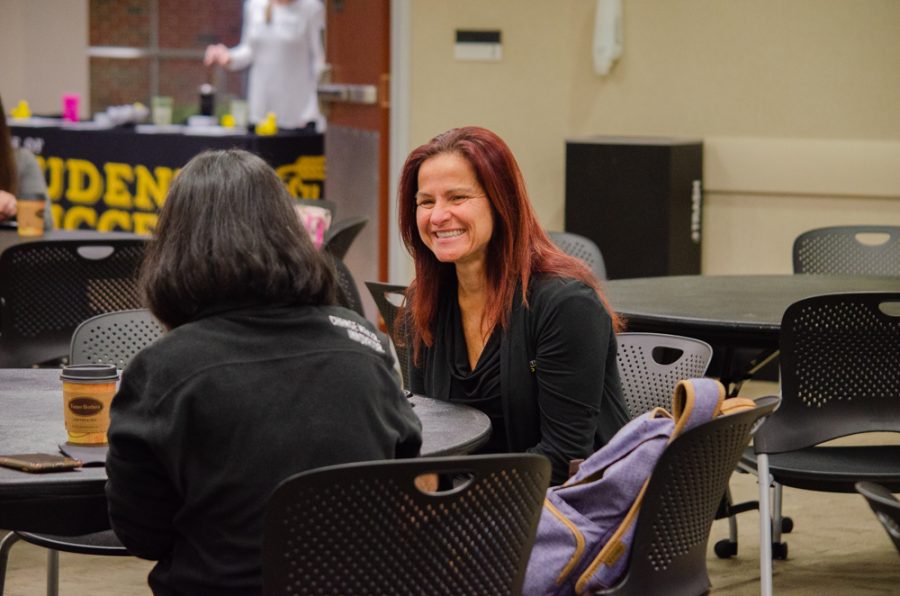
(90, 455)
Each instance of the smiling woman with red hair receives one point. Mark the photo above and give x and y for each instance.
(540, 362)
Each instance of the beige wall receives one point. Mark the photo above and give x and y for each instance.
(797, 99)
(43, 44)
(796, 89)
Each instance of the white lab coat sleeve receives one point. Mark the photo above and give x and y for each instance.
(241, 55)
(317, 52)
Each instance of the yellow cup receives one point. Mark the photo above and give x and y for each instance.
(30, 215)
(88, 391)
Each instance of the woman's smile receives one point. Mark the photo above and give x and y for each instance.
(453, 215)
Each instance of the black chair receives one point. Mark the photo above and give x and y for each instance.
(651, 364)
(366, 528)
(390, 298)
(840, 376)
(845, 250)
(48, 287)
(668, 553)
(109, 338)
(341, 235)
(100, 543)
(836, 250)
(349, 294)
(885, 506)
(582, 248)
(114, 337)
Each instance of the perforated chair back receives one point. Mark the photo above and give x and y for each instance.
(849, 250)
(840, 370)
(114, 338)
(109, 338)
(366, 528)
(651, 364)
(885, 506)
(670, 541)
(48, 287)
(349, 293)
(342, 233)
(581, 248)
(390, 298)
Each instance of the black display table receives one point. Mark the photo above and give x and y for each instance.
(116, 179)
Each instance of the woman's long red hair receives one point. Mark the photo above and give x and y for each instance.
(518, 249)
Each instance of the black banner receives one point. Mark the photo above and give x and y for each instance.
(118, 179)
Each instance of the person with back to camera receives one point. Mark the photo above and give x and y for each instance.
(259, 376)
(541, 362)
(20, 175)
(281, 42)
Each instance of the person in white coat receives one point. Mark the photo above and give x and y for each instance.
(281, 42)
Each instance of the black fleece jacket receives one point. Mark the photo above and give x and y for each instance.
(214, 415)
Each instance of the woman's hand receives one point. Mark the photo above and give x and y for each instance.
(7, 205)
(216, 54)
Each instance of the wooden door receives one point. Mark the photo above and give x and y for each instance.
(357, 135)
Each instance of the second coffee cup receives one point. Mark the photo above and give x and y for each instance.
(30, 215)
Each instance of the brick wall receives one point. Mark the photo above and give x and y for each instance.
(119, 23)
(118, 82)
(183, 25)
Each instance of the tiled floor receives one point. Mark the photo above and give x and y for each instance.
(837, 547)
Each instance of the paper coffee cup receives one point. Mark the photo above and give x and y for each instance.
(88, 391)
(30, 215)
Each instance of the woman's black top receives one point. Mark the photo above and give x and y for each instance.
(556, 370)
(479, 388)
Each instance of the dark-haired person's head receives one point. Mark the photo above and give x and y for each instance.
(228, 236)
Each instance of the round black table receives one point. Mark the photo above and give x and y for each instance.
(730, 312)
(733, 310)
(450, 429)
(31, 421)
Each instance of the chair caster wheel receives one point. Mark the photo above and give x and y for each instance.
(779, 551)
(787, 524)
(725, 549)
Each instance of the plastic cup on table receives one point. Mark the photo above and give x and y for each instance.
(240, 112)
(161, 110)
(70, 107)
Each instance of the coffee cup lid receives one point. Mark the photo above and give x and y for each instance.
(89, 372)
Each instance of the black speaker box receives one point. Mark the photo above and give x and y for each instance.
(639, 199)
